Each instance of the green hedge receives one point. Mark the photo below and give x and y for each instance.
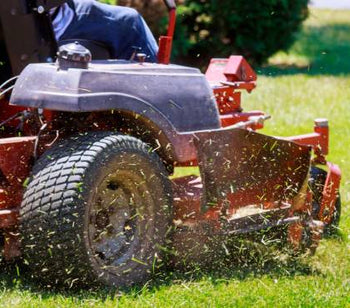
(256, 29)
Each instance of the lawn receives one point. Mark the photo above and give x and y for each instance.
(311, 81)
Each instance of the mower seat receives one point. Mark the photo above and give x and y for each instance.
(99, 51)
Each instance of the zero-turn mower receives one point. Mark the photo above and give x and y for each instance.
(87, 149)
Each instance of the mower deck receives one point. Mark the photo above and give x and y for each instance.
(189, 193)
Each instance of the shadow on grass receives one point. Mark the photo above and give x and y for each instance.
(327, 48)
(239, 258)
(245, 260)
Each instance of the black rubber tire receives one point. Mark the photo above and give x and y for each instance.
(316, 184)
(62, 210)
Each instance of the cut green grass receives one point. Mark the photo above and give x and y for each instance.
(311, 81)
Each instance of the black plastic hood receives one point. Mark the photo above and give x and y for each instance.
(176, 94)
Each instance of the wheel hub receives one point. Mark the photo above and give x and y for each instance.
(113, 223)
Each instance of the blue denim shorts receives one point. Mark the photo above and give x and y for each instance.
(120, 28)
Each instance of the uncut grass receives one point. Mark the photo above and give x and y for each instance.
(311, 81)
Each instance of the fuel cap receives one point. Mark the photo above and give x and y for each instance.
(73, 55)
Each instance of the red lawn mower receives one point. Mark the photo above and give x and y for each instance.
(88, 147)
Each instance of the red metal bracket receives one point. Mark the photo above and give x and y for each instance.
(330, 193)
(235, 71)
(228, 77)
(319, 140)
(166, 42)
(236, 117)
(227, 99)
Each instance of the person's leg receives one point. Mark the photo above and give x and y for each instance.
(120, 28)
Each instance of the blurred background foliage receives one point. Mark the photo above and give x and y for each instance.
(213, 28)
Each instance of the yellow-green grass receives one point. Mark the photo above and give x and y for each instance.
(311, 81)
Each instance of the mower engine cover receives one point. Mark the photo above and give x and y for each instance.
(176, 95)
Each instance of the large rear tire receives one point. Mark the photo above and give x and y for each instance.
(95, 211)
